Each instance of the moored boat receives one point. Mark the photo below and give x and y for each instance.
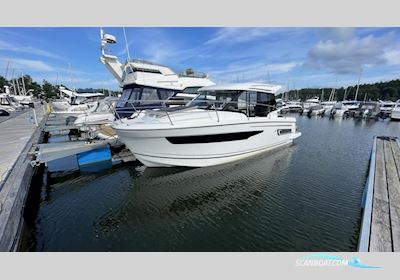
(224, 123)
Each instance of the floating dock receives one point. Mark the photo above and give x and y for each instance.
(18, 135)
(22, 151)
(380, 229)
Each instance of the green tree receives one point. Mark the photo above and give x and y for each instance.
(49, 90)
(3, 82)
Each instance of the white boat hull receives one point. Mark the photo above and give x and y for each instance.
(153, 146)
(94, 119)
(395, 115)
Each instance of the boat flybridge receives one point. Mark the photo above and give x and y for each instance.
(149, 83)
(224, 123)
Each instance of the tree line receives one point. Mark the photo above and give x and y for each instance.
(372, 92)
(46, 90)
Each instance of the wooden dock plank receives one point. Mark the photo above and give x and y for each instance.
(380, 239)
(393, 182)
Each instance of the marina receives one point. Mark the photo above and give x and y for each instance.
(271, 202)
(171, 156)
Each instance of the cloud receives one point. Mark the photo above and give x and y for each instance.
(232, 35)
(27, 65)
(236, 35)
(6, 46)
(256, 72)
(345, 53)
(392, 57)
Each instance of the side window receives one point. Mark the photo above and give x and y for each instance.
(165, 94)
(135, 95)
(242, 101)
(149, 94)
(125, 96)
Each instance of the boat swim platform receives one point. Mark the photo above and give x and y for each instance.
(380, 228)
(53, 151)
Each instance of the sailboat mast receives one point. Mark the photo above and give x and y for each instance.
(23, 84)
(358, 86)
(19, 91)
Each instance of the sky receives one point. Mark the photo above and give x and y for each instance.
(290, 57)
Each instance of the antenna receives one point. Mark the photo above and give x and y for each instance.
(126, 44)
(127, 49)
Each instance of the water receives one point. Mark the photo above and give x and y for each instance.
(305, 197)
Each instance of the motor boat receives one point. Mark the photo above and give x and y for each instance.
(367, 110)
(75, 103)
(9, 104)
(149, 83)
(386, 108)
(316, 110)
(289, 107)
(395, 115)
(224, 123)
(351, 106)
(338, 110)
(328, 106)
(24, 98)
(309, 103)
(294, 106)
(99, 114)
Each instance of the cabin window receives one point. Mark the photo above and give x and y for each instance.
(124, 97)
(165, 93)
(4, 101)
(149, 94)
(134, 95)
(212, 138)
(193, 90)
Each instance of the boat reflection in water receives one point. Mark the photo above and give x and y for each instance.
(135, 208)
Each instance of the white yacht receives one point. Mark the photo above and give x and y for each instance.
(294, 106)
(328, 106)
(338, 110)
(149, 83)
(75, 103)
(309, 103)
(395, 116)
(99, 114)
(224, 123)
(386, 107)
(8, 103)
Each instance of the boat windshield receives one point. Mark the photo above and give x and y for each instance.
(4, 101)
(139, 95)
(251, 103)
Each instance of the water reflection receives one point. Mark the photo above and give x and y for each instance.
(304, 197)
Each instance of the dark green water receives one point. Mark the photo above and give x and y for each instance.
(305, 197)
